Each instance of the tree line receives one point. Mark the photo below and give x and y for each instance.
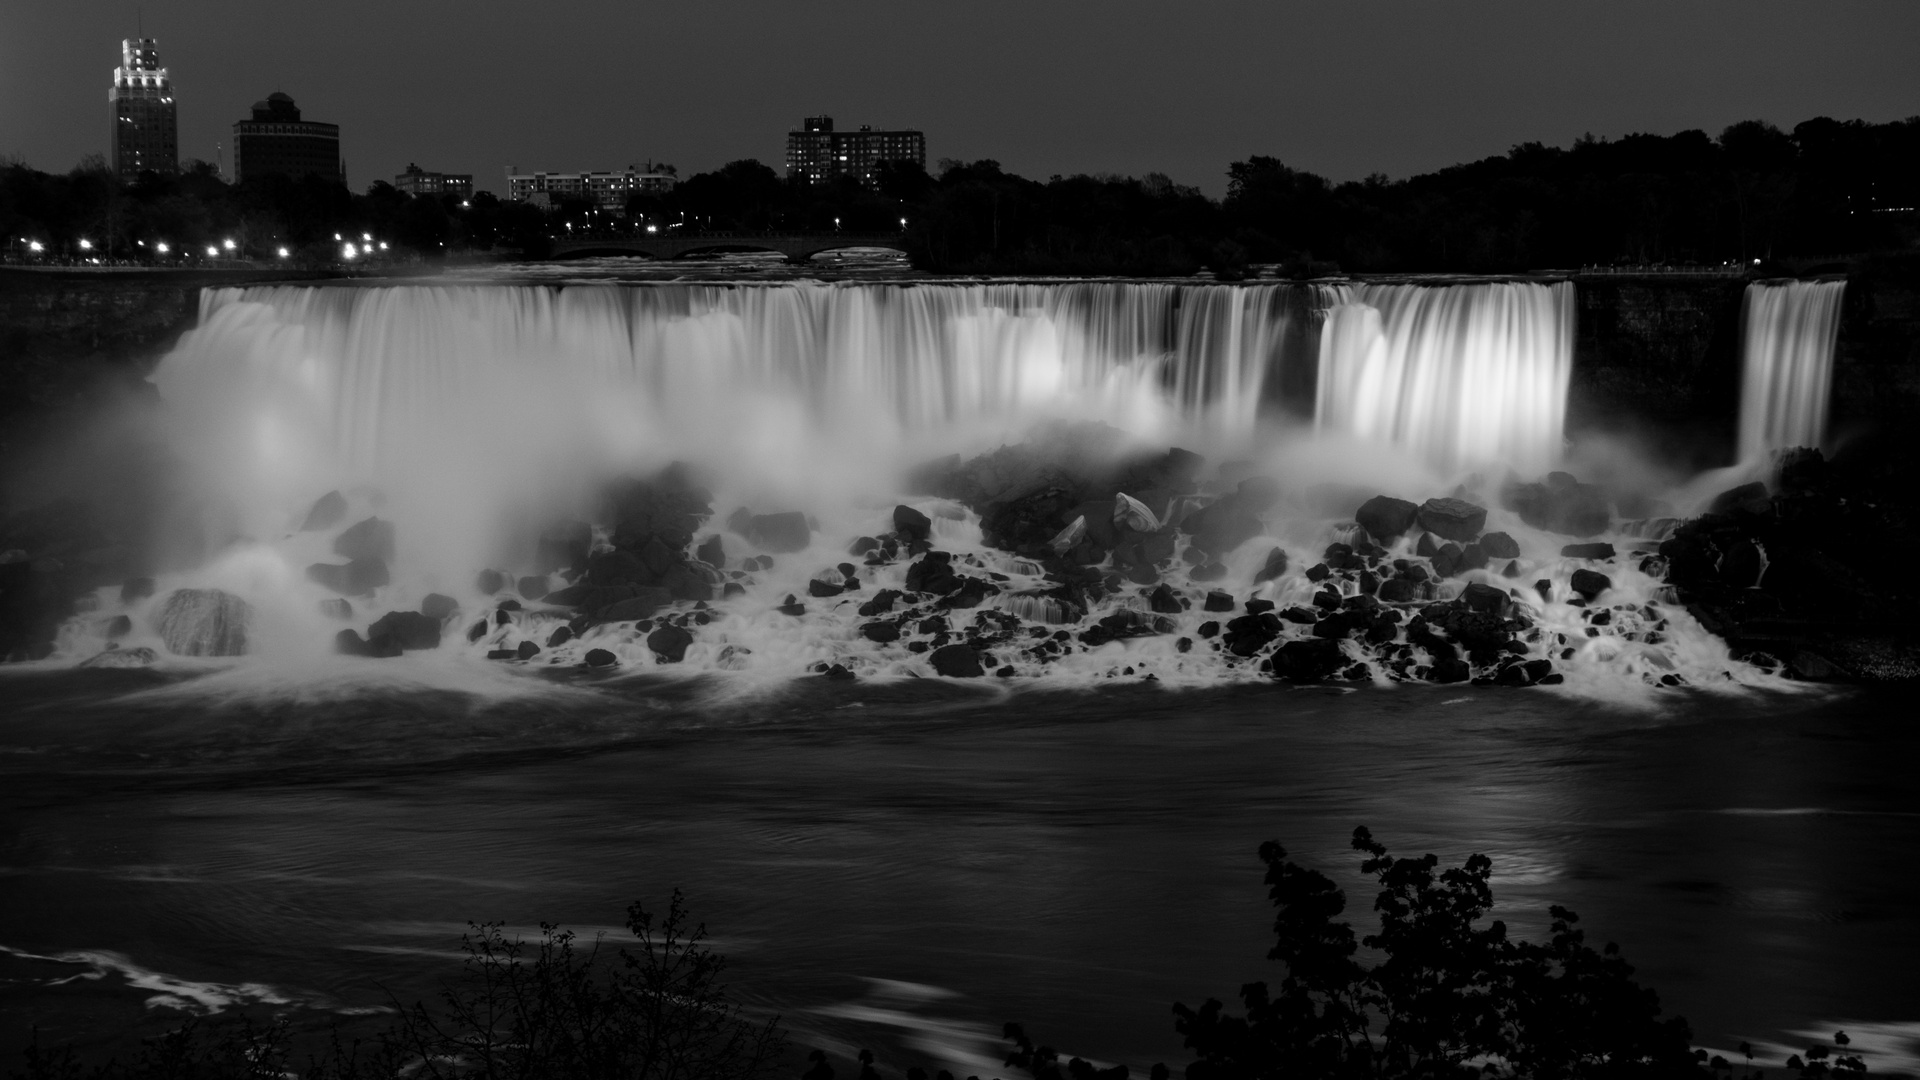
(1826, 188)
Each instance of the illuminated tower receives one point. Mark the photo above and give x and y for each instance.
(146, 134)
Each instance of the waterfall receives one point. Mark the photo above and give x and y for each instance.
(1466, 374)
(1788, 334)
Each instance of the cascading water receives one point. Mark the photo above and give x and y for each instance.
(1789, 330)
(1468, 374)
(469, 419)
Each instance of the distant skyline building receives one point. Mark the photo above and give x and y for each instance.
(276, 140)
(607, 190)
(146, 128)
(816, 153)
(417, 181)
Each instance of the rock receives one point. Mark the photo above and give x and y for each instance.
(618, 568)
(669, 644)
(571, 596)
(1499, 545)
(488, 582)
(1809, 665)
(348, 642)
(1399, 590)
(1446, 561)
(408, 629)
(911, 524)
(1486, 599)
(881, 631)
(438, 607)
(1600, 550)
(1741, 565)
(1386, 518)
(1562, 505)
(533, 586)
(327, 511)
(599, 658)
(819, 589)
(357, 578)
(1453, 670)
(634, 608)
(1219, 601)
(1472, 557)
(1249, 634)
(933, 573)
(1275, 566)
(839, 673)
(881, 603)
(1589, 583)
(1162, 600)
(1259, 605)
(1544, 588)
(1452, 519)
(783, 532)
(862, 545)
(1308, 660)
(204, 622)
(564, 546)
(1747, 500)
(956, 662)
(712, 552)
(136, 589)
(137, 657)
(118, 627)
(1222, 525)
(1132, 515)
(560, 636)
(369, 539)
(792, 608)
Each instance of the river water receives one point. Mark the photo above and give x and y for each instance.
(907, 866)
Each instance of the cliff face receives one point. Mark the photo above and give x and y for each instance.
(1876, 368)
(1659, 358)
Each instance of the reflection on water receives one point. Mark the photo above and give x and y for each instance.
(907, 867)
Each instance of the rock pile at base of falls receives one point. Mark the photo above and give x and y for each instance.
(1807, 571)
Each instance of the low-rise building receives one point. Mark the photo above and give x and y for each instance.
(418, 181)
(607, 190)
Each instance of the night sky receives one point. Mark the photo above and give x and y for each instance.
(1344, 89)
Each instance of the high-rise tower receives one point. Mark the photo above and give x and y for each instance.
(146, 133)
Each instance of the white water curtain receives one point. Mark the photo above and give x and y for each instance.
(1788, 335)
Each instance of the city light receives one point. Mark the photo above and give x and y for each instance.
(86, 245)
(284, 253)
(368, 237)
(349, 251)
(383, 245)
(161, 247)
(653, 228)
(212, 252)
(228, 244)
(35, 245)
(336, 236)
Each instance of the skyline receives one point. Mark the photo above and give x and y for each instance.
(1343, 93)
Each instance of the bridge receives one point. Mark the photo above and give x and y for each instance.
(797, 247)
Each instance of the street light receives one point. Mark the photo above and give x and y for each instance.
(349, 251)
(35, 246)
(228, 244)
(161, 247)
(86, 245)
(284, 253)
(212, 252)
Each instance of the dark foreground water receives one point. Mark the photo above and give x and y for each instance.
(906, 867)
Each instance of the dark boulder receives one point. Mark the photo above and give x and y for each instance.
(881, 603)
(350, 643)
(1446, 561)
(489, 582)
(712, 552)
(118, 627)
(1162, 600)
(642, 605)
(599, 658)
(564, 546)
(527, 650)
(1596, 550)
(911, 524)
(1589, 583)
(819, 589)
(1386, 518)
(407, 629)
(1499, 545)
(956, 662)
(1248, 634)
(204, 622)
(881, 630)
(1275, 566)
(1399, 590)
(369, 539)
(1452, 519)
(783, 532)
(560, 636)
(1562, 505)
(618, 568)
(438, 606)
(933, 573)
(972, 593)
(1219, 601)
(1747, 500)
(669, 644)
(328, 510)
(1486, 599)
(1452, 670)
(1308, 660)
(533, 586)
(1222, 525)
